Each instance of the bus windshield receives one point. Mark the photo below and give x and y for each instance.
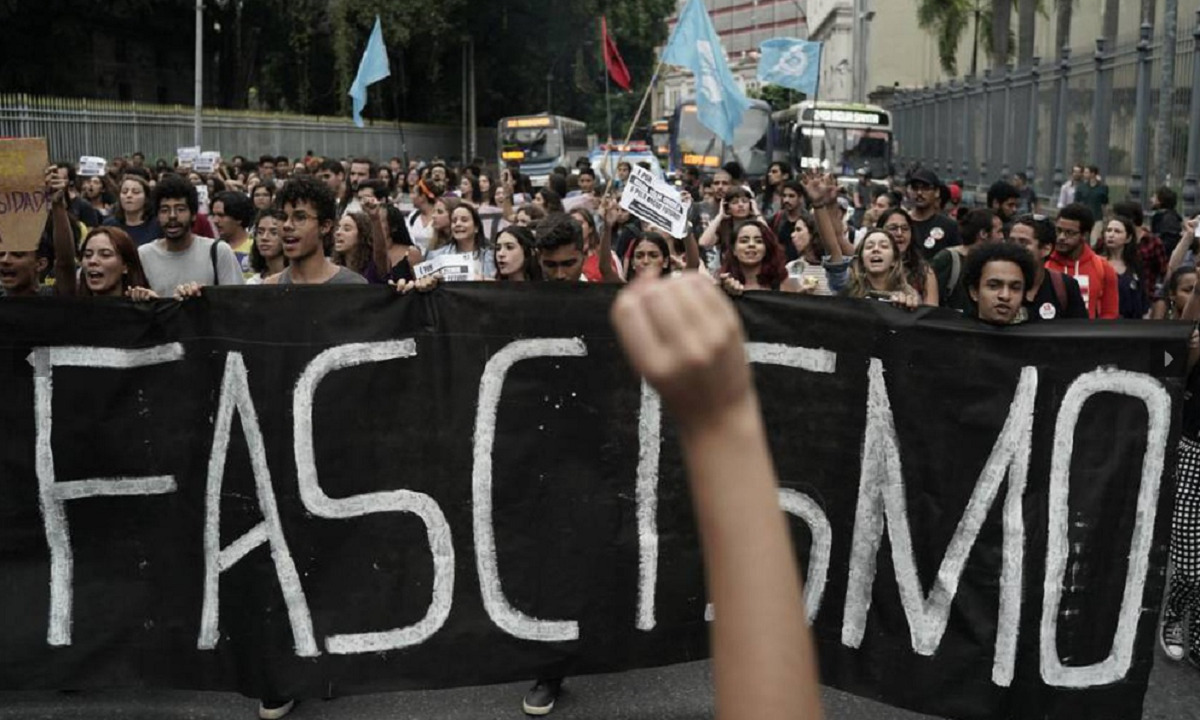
(541, 143)
(844, 150)
(700, 146)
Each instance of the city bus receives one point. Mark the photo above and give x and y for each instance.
(691, 143)
(541, 143)
(659, 139)
(840, 138)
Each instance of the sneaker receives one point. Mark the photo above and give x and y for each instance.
(1170, 637)
(274, 709)
(540, 698)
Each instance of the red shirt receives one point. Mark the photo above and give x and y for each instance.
(1097, 281)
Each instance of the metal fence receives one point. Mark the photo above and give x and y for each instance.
(75, 127)
(1099, 108)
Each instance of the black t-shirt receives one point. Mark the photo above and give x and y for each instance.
(935, 234)
(1047, 306)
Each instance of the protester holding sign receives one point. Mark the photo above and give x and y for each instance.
(467, 237)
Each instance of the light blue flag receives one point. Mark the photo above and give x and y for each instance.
(791, 63)
(695, 45)
(372, 68)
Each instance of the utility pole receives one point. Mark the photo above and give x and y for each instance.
(197, 130)
(473, 121)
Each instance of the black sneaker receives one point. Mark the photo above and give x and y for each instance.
(273, 709)
(540, 698)
(1170, 637)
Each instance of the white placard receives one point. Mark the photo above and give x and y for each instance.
(453, 268)
(187, 155)
(656, 202)
(202, 196)
(92, 166)
(207, 161)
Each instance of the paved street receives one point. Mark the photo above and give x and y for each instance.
(679, 692)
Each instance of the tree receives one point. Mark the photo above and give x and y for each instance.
(948, 20)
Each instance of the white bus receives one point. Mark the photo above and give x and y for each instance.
(541, 143)
(839, 138)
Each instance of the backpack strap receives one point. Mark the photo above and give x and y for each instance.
(1060, 288)
(955, 271)
(212, 255)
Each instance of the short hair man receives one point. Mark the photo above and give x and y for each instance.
(586, 181)
(1029, 199)
(1092, 192)
(180, 258)
(560, 248)
(232, 212)
(1059, 298)
(360, 169)
(997, 275)
(309, 213)
(333, 175)
(1004, 199)
(266, 167)
(978, 227)
(1073, 255)
(21, 272)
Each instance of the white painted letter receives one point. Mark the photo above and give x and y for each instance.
(881, 498)
(235, 396)
(802, 506)
(506, 617)
(649, 440)
(420, 504)
(53, 495)
(1158, 406)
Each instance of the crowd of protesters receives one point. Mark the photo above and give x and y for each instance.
(145, 232)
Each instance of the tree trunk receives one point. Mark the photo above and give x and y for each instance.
(1166, 95)
(1026, 18)
(1062, 25)
(1001, 22)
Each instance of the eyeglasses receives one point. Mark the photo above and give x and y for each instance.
(897, 228)
(173, 210)
(1069, 233)
(298, 218)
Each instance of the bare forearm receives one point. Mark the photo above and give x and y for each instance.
(761, 644)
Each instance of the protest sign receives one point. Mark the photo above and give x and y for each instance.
(207, 162)
(458, 267)
(92, 166)
(275, 489)
(187, 155)
(656, 201)
(24, 204)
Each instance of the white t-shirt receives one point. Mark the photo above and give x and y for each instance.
(420, 231)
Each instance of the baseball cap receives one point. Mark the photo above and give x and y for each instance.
(926, 176)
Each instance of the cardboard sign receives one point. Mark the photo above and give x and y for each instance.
(202, 196)
(454, 268)
(92, 166)
(655, 201)
(24, 203)
(207, 162)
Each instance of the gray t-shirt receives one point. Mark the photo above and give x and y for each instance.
(168, 270)
(344, 276)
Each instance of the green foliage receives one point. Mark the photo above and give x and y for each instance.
(777, 96)
(949, 20)
(301, 55)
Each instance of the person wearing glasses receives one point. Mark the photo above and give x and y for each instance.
(1051, 295)
(181, 258)
(1074, 256)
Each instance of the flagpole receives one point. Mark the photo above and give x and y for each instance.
(632, 125)
(607, 98)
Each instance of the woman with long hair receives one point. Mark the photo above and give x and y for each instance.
(548, 200)
(420, 222)
(263, 195)
(467, 237)
(650, 256)
(897, 223)
(738, 207)
(877, 271)
(468, 190)
(515, 260)
(591, 246)
(266, 255)
(755, 261)
(441, 211)
(353, 246)
(778, 173)
(1119, 246)
(111, 266)
(133, 213)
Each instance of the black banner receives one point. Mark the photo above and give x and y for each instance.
(275, 490)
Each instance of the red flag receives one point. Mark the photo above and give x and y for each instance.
(612, 59)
